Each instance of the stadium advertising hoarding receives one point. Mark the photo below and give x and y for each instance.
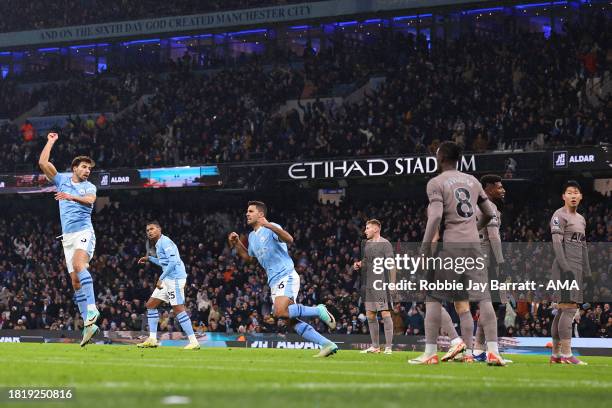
(514, 345)
(169, 177)
(587, 158)
(224, 19)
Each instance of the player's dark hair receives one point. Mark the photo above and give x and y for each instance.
(260, 206)
(450, 151)
(489, 179)
(154, 222)
(374, 221)
(76, 162)
(571, 183)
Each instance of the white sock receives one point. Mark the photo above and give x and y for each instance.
(469, 352)
(478, 352)
(456, 341)
(492, 347)
(431, 349)
(192, 338)
(153, 336)
(92, 308)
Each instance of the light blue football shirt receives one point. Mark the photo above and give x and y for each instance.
(271, 253)
(169, 259)
(74, 217)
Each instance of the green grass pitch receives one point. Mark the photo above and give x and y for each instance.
(124, 376)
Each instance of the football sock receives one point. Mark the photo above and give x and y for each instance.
(297, 310)
(309, 333)
(87, 289)
(554, 332)
(81, 301)
(185, 322)
(565, 331)
(467, 329)
(374, 329)
(433, 320)
(153, 319)
(448, 327)
(388, 325)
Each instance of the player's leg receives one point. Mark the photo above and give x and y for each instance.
(84, 245)
(488, 322)
(479, 343)
(388, 326)
(433, 321)
(152, 319)
(467, 328)
(457, 346)
(281, 310)
(176, 294)
(287, 286)
(374, 329)
(555, 357)
(568, 311)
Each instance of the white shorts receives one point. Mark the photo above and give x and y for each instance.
(172, 291)
(85, 240)
(288, 286)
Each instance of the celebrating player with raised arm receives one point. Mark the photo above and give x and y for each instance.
(170, 287)
(453, 195)
(568, 229)
(76, 198)
(268, 244)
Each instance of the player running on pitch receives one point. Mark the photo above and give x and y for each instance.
(170, 287)
(376, 247)
(568, 229)
(76, 197)
(268, 245)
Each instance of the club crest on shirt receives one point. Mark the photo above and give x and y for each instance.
(556, 221)
(82, 191)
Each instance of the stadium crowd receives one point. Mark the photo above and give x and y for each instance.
(483, 93)
(39, 14)
(225, 295)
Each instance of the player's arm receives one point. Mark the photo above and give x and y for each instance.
(241, 250)
(586, 267)
(486, 208)
(283, 235)
(168, 259)
(435, 211)
(495, 239)
(557, 228)
(87, 200)
(43, 162)
(389, 255)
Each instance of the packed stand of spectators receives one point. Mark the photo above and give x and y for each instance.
(483, 93)
(224, 294)
(20, 15)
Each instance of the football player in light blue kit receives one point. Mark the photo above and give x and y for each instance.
(268, 244)
(170, 287)
(76, 197)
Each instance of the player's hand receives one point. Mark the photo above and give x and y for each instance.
(264, 222)
(233, 238)
(357, 265)
(159, 285)
(143, 260)
(76, 283)
(52, 137)
(63, 196)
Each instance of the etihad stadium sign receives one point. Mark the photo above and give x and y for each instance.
(373, 167)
